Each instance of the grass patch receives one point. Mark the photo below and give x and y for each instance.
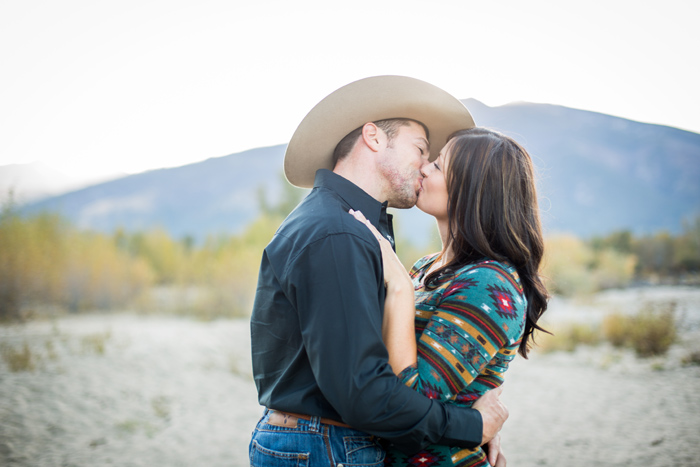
(692, 358)
(51, 350)
(95, 343)
(133, 426)
(161, 406)
(18, 360)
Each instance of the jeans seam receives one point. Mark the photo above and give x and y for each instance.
(327, 441)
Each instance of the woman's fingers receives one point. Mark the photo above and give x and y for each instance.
(360, 217)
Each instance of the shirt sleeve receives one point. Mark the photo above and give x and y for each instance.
(339, 298)
(480, 313)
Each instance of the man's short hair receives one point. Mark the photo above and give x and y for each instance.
(389, 126)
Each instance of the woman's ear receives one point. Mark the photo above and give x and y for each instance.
(373, 137)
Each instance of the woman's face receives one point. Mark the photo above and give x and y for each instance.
(432, 197)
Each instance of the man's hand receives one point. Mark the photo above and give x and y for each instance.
(495, 454)
(493, 413)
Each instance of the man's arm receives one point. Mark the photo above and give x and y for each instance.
(341, 329)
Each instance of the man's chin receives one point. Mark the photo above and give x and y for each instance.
(403, 204)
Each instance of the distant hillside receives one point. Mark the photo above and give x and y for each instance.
(218, 195)
(597, 174)
(36, 180)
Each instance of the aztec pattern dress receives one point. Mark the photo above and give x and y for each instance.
(468, 329)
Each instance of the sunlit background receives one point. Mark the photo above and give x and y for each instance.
(125, 290)
(94, 88)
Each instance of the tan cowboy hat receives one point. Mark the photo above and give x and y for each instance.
(369, 100)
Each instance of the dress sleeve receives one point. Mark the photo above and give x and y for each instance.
(481, 311)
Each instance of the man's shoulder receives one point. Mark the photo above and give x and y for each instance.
(321, 214)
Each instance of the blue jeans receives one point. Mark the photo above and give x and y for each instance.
(310, 444)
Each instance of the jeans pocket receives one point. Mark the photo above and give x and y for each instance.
(263, 457)
(363, 451)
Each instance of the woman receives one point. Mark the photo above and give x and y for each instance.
(478, 300)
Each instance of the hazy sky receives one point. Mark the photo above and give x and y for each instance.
(93, 87)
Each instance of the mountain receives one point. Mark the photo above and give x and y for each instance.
(218, 195)
(596, 174)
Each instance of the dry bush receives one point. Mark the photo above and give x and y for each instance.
(567, 337)
(31, 256)
(565, 266)
(99, 276)
(226, 270)
(574, 268)
(616, 329)
(45, 261)
(654, 330)
(613, 269)
(650, 332)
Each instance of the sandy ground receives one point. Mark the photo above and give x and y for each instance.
(129, 390)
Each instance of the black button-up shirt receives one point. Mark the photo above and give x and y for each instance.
(317, 319)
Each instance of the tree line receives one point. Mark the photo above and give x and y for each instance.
(574, 266)
(48, 264)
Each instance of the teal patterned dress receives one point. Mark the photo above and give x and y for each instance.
(469, 328)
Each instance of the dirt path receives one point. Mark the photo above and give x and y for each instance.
(141, 391)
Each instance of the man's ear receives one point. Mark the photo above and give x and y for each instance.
(373, 136)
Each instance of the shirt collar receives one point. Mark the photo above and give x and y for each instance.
(356, 197)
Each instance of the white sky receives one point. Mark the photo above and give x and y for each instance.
(93, 87)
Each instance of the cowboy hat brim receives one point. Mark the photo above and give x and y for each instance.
(369, 100)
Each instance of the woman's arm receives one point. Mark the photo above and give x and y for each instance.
(398, 326)
(479, 320)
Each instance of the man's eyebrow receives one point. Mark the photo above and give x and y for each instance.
(427, 143)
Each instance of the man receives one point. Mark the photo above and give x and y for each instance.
(319, 362)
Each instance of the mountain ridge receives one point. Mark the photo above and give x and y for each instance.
(597, 173)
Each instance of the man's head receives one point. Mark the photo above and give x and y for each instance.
(389, 126)
(399, 166)
(376, 99)
(385, 158)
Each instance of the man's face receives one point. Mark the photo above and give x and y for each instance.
(400, 165)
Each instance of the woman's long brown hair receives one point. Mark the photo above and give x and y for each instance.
(493, 213)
